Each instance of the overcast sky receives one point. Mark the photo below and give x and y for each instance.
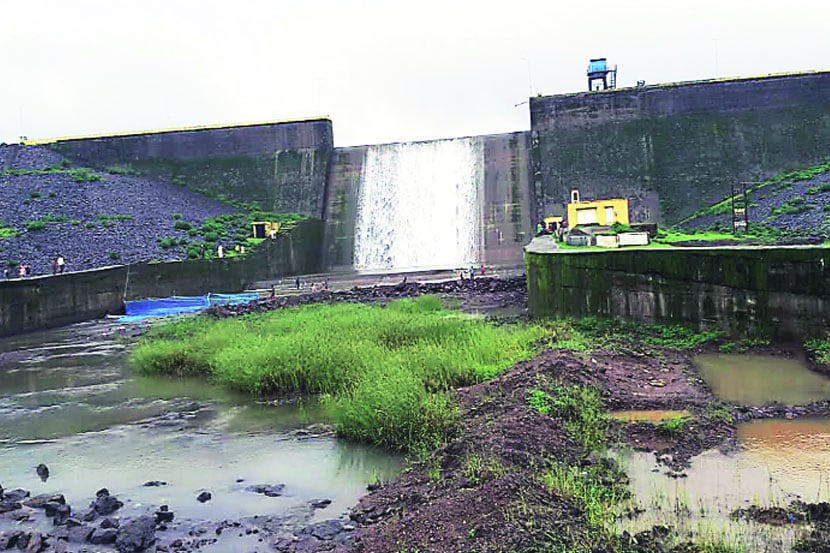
(382, 70)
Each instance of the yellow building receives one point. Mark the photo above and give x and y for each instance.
(596, 212)
(265, 229)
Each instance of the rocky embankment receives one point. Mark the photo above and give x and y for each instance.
(48, 523)
(117, 219)
(800, 210)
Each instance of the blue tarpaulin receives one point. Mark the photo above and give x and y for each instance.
(176, 305)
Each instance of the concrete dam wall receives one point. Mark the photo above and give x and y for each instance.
(780, 293)
(675, 148)
(671, 149)
(441, 203)
(278, 166)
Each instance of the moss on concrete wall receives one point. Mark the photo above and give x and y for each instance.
(278, 166)
(778, 292)
(673, 149)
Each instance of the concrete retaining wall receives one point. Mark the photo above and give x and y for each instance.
(672, 149)
(278, 166)
(783, 293)
(42, 302)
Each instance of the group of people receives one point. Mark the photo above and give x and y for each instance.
(58, 265)
(24, 270)
(551, 229)
(471, 272)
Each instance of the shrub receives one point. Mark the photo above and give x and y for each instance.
(34, 194)
(182, 225)
(121, 169)
(168, 242)
(114, 255)
(211, 237)
(177, 216)
(35, 225)
(89, 225)
(84, 174)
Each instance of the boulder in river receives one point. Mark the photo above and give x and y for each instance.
(136, 534)
(270, 490)
(17, 494)
(105, 503)
(40, 501)
(203, 497)
(43, 472)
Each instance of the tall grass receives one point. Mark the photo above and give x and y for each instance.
(383, 372)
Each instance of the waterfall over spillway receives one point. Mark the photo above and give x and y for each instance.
(419, 205)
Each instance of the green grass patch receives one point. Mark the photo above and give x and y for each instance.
(121, 169)
(84, 174)
(790, 207)
(579, 406)
(8, 232)
(110, 220)
(675, 425)
(819, 348)
(590, 489)
(614, 334)
(382, 372)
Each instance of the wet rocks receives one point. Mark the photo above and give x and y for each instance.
(102, 536)
(164, 514)
(7, 505)
(61, 514)
(319, 503)
(9, 539)
(136, 534)
(327, 535)
(17, 494)
(104, 503)
(40, 501)
(270, 490)
(154, 483)
(42, 472)
(79, 534)
(203, 497)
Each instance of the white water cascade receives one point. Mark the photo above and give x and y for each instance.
(419, 205)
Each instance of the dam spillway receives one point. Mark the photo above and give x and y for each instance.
(419, 205)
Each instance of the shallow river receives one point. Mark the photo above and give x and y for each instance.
(69, 399)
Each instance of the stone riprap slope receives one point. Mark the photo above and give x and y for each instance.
(800, 207)
(118, 219)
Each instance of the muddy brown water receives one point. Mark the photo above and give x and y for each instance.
(760, 380)
(776, 462)
(655, 415)
(69, 399)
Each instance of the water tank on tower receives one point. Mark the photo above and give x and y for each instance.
(599, 69)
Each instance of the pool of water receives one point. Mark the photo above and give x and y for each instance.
(777, 461)
(760, 380)
(69, 399)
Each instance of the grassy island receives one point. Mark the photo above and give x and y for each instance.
(383, 372)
